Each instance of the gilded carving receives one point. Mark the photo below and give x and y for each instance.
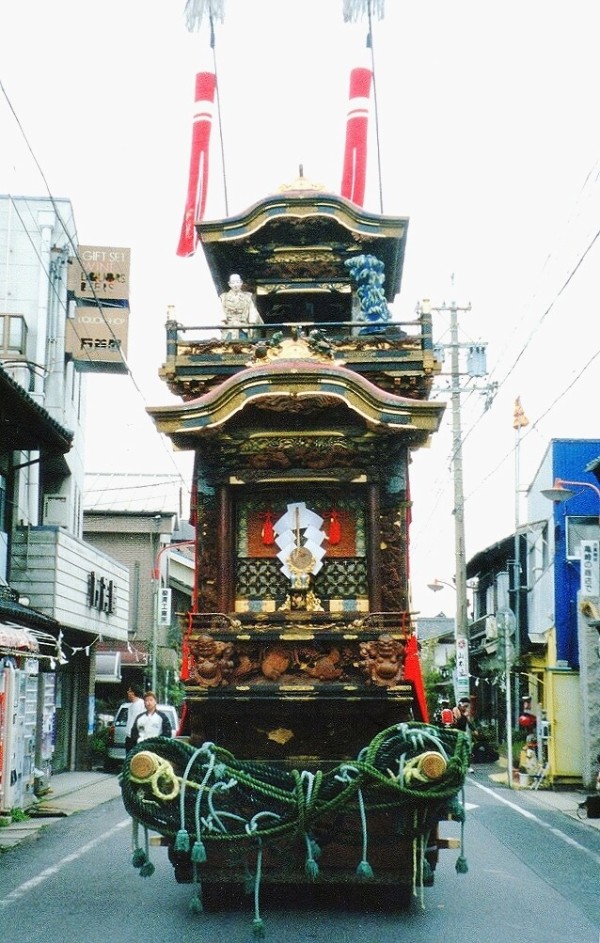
(216, 663)
(393, 560)
(383, 660)
(211, 663)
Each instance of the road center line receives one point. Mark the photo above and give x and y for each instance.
(34, 882)
(534, 818)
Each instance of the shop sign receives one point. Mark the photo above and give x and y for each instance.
(96, 337)
(164, 607)
(590, 567)
(101, 593)
(100, 273)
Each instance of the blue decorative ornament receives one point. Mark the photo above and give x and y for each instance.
(367, 271)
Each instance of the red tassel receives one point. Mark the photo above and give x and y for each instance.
(412, 672)
(267, 533)
(335, 529)
(184, 674)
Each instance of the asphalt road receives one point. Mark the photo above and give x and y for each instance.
(534, 877)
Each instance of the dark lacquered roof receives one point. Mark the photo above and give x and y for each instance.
(302, 235)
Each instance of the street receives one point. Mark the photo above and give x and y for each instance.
(533, 875)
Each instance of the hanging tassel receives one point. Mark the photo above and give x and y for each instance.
(147, 869)
(199, 852)
(258, 930)
(311, 868)
(426, 873)
(461, 862)
(182, 840)
(138, 855)
(196, 906)
(138, 858)
(364, 869)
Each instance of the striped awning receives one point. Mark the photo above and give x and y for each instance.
(14, 638)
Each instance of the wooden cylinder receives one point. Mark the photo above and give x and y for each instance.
(144, 764)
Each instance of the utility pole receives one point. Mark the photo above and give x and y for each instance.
(460, 576)
(475, 368)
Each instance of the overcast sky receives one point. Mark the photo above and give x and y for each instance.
(490, 143)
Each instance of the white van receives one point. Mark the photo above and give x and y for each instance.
(116, 736)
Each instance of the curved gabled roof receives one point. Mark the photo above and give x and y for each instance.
(303, 234)
(26, 425)
(281, 386)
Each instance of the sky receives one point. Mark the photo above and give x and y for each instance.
(489, 140)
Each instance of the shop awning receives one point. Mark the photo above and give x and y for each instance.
(14, 638)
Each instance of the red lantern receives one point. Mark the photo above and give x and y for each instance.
(267, 532)
(335, 528)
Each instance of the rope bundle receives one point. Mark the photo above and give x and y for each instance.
(234, 800)
(198, 796)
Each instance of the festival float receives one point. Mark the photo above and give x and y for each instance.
(305, 752)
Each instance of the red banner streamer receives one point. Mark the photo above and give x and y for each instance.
(198, 178)
(355, 155)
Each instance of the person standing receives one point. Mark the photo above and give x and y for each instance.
(136, 707)
(151, 723)
(446, 714)
(462, 721)
(461, 714)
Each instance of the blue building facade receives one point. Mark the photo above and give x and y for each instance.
(574, 520)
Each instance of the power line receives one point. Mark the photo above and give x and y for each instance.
(75, 250)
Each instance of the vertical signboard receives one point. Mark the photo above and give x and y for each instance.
(590, 567)
(96, 333)
(462, 668)
(164, 607)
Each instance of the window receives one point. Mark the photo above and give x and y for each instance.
(13, 335)
(578, 529)
(502, 587)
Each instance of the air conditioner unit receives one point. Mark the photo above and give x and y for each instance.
(56, 510)
(108, 667)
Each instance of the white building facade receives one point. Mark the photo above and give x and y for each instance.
(79, 594)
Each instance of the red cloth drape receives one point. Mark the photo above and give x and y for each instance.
(413, 673)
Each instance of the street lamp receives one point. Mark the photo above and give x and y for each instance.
(559, 493)
(436, 585)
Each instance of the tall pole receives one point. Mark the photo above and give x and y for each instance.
(154, 654)
(507, 664)
(460, 578)
(475, 368)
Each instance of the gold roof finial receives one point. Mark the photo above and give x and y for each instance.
(301, 183)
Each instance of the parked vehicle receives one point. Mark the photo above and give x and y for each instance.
(116, 735)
